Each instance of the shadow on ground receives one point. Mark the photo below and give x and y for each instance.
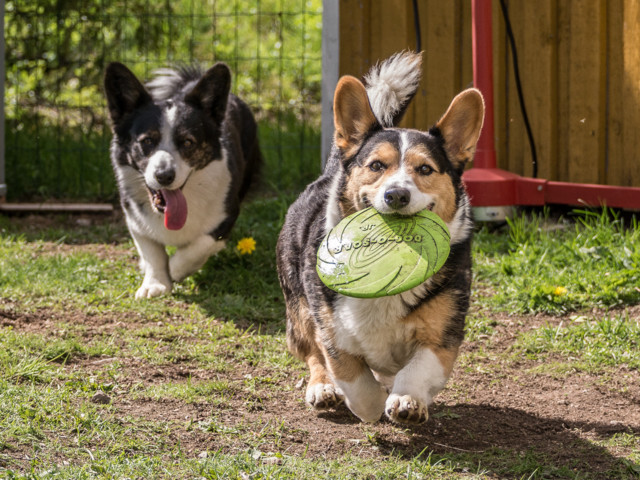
(515, 441)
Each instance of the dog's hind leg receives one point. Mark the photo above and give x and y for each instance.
(321, 391)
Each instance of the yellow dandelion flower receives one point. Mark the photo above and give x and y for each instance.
(246, 246)
(559, 291)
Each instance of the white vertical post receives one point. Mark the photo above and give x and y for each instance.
(330, 69)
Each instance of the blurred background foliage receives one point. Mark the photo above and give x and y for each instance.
(57, 136)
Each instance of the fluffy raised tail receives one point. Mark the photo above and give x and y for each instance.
(392, 84)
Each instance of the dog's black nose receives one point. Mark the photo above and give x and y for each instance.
(165, 176)
(397, 198)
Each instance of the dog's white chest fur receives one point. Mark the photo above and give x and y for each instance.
(374, 328)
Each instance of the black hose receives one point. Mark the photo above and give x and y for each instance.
(516, 71)
(416, 20)
(514, 54)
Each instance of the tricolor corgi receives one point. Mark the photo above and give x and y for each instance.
(388, 355)
(184, 150)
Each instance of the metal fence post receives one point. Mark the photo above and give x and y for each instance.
(330, 69)
(3, 185)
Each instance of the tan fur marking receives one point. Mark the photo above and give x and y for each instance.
(317, 368)
(430, 320)
(364, 183)
(447, 358)
(346, 367)
(300, 331)
(304, 343)
(438, 184)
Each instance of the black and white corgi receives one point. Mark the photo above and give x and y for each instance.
(392, 354)
(184, 150)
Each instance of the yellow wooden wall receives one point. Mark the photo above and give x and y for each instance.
(579, 65)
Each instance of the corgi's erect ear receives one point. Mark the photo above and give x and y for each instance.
(211, 93)
(124, 92)
(460, 127)
(352, 115)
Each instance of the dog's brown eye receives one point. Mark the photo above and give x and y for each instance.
(187, 143)
(376, 166)
(425, 170)
(147, 143)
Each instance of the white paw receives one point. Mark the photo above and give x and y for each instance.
(406, 409)
(153, 289)
(323, 395)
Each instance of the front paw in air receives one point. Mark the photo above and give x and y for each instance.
(405, 409)
(179, 269)
(191, 258)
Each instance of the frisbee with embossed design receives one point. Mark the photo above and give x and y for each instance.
(370, 254)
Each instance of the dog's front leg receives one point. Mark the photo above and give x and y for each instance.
(190, 258)
(417, 383)
(154, 264)
(363, 394)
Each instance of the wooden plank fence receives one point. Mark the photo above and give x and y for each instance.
(579, 65)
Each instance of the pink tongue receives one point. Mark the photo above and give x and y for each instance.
(175, 211)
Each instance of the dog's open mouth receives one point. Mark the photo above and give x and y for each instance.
(157, 200)
(172, 204)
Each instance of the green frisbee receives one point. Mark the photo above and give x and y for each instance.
(370, 255)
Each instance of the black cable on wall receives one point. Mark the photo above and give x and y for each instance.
(516, 70)
(523, 109)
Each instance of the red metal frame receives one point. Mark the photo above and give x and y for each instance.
(489, 186)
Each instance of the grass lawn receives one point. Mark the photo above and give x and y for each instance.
(199, 385)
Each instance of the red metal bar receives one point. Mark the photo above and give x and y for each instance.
(531, 191)
(489, 186)
(482, 45)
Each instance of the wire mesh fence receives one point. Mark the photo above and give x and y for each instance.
(57, 135)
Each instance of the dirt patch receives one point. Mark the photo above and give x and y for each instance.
(47, 321)
(100, 250)
(486, 408)
(529, 416)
